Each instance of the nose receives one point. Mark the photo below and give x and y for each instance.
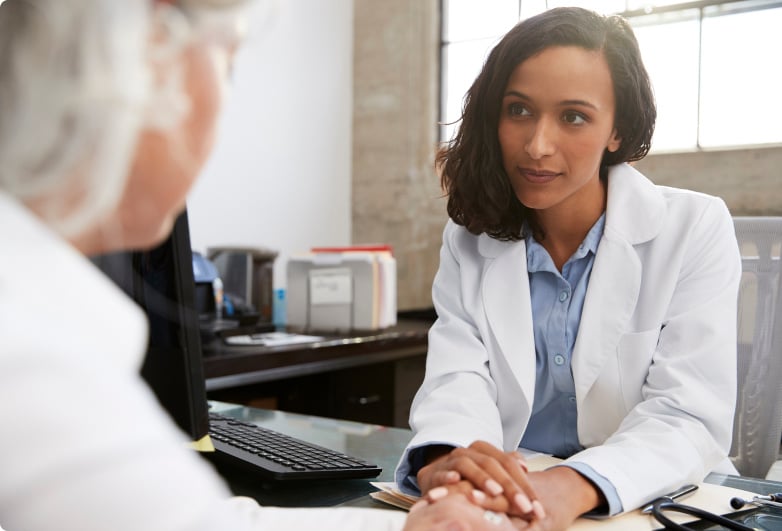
(542, 141)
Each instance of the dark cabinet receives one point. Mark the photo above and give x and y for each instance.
(380, 393)
(368, 376)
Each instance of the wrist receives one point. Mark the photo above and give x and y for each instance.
(428, 459)
(565, 483)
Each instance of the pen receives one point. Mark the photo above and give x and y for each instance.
(673, 496)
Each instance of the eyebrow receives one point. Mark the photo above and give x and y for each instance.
(561, 103)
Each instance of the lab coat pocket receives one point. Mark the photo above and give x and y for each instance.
(634, 355)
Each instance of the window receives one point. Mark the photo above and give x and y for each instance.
(713, 63)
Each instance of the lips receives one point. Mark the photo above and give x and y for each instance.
(538, 176)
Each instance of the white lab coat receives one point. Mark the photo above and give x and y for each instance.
(84, 444)
(654, 362)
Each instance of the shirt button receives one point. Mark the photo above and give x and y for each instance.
(559, 359)
(572, 399)
(563, 296)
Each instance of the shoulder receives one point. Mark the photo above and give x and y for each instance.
(454, 231)
(639, 210)
(699, 222)
(53, 299)
(458, 239)
(462, 243)
(690, 204)
(696, 216)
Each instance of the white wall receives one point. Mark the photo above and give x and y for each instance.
(280, 174)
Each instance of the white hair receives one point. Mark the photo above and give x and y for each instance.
(74, 82)
(76, 89)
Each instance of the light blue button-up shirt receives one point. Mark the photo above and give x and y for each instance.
(557, 301)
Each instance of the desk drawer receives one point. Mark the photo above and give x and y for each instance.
(365, 394)
(379, 393)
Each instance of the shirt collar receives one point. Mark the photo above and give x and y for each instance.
(538, 258)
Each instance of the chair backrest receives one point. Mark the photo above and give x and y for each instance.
(757, 427)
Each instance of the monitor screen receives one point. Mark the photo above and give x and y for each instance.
(161, 282)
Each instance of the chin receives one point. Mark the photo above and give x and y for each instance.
(149, 236)
(162, 233)
(532, 203)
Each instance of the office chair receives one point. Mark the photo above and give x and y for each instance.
(757, 427)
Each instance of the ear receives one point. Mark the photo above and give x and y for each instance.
(614, 142)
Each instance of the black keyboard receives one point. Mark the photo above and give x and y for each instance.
(273, 455)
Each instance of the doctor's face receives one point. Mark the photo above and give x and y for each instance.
(556, 120)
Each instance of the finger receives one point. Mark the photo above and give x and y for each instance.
(435, 474)
(448, 469)
(496, 473)
(537, 509)
(520, 523)
(438, 493)
(450, 525)
(418, 505)
(522, 461)
(472, 465)
(502, 504)
(515, 487)
(532, 525)
(510, 458)
(476, 496)
(438, 478)
(446, 477)
(480, 464)
(509, 470)
(496, 503)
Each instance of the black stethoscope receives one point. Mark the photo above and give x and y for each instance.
(661, 506)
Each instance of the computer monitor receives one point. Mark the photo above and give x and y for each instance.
(247, 274)
(161, 282)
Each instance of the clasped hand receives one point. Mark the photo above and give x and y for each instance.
(487, 476)
(454, 512)
(499, 482)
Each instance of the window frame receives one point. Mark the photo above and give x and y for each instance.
(705, 9)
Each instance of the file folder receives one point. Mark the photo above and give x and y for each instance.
(345, 288)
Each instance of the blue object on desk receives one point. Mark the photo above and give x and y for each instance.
(203, 269)
(279, 309)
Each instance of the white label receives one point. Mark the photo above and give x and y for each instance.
(331, 286)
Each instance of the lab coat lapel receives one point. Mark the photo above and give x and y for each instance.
(610, 302)
(634, 215)
(506, 298)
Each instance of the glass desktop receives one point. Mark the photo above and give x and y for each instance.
(379, 444)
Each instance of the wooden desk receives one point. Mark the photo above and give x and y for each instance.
(363, 376)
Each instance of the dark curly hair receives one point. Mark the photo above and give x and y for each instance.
(480, 195)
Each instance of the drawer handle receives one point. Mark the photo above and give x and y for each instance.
(364, 400)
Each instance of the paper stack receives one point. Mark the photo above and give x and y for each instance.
(342, 288)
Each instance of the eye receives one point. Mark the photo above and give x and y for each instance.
(574, 118)
(517, 109)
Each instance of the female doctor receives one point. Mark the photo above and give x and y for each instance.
(108, 113)
(582, 311)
